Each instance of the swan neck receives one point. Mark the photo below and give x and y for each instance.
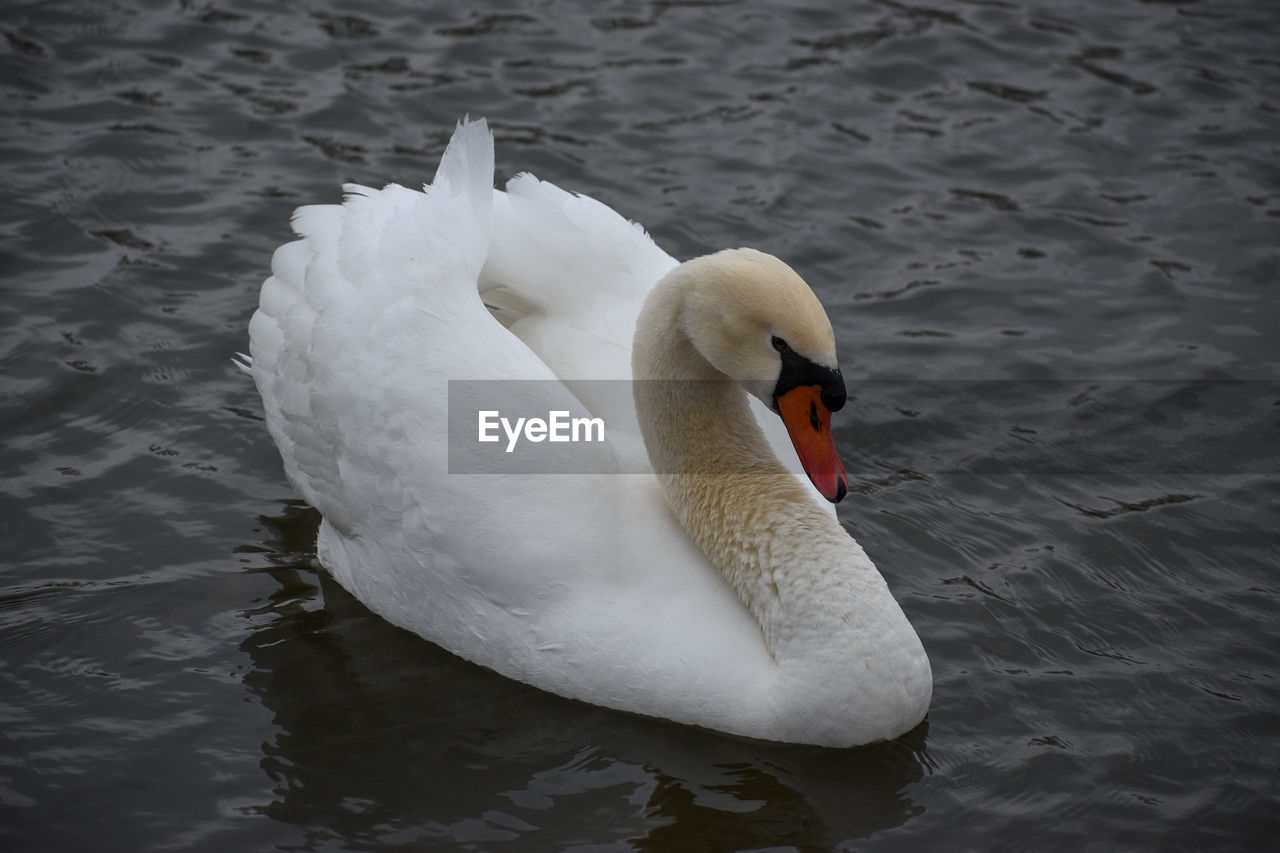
(781, 551)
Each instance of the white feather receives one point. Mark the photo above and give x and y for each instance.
(580, 584)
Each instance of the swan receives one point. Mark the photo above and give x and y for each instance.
(683, 571)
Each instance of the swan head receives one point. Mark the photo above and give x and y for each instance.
(756, 321)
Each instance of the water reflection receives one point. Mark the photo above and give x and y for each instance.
(385, 738)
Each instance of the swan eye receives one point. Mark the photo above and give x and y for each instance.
(780, 345)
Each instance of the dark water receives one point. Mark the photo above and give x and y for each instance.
(1048, 235)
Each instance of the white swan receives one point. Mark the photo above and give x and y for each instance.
(751, 611)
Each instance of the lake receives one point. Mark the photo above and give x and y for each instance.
(1048, 237)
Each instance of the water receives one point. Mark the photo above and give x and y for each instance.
(1047, 235)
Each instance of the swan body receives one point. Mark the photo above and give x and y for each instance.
(720, 592)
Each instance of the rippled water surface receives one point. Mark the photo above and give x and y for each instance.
(1048, 235)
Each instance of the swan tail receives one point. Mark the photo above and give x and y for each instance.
(374, 280)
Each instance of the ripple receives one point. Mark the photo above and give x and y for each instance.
(981, 191)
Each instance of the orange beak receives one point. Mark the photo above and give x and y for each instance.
(808, 422)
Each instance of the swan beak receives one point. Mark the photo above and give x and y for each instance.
(808, 422)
